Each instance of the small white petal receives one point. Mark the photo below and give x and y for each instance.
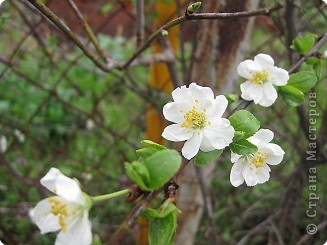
(220, 106)
(251, 91)
(221, 135)
(199, 92)
(80, 233)
(262, 137)
(176, 133)
(181, 93)
(265, 61)
(206, 145)
(270, 95)
(246, 68)
(3, 143)
(234, 157)
(174, 111)
(63, 186)
(249, 174)
(236, 177)
(44, 219)
(192, 146)
(263, 174)
(276, 153)
(280, 76)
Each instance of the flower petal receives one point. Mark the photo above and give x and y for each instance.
(220, 106)
(265, 61)
(206, 145)
(181, 93)
(236, 177)
(280, 76)
(174, 111)
(176, 133)
(80, 233)
(220, 135)
(276, 153)
(234, 157)
(249, 174)
(262, 137)
(63, 186)
(192, 146)
(251, 91)
(245, 69)
(263, 174)
(199, 92)
(44, 219)
(270, 95)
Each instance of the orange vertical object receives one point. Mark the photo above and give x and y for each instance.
(159, 74)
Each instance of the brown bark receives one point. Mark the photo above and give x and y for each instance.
(219, 49)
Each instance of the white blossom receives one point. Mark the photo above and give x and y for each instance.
(197, 118)
(3, 144)
(254, 168)
(66, 212)
(262, 76)
(90, 125)
(19, 135)
(1, 1)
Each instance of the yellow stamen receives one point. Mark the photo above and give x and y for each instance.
(194, 119)
(259, 159)
(60, 209)
(259, 77)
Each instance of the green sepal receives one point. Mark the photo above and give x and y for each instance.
(232, 97)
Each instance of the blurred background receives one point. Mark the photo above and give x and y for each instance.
(59, 108)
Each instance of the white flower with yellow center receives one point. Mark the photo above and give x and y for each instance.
(197, 118)
(261, 75)
(66, 212)
(254, 168)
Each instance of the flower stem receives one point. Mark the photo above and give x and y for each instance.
(109, 196)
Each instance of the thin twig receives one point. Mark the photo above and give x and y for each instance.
(61, 25)
(202, 16)
(112, 64)
(139, 21)
(88, 30)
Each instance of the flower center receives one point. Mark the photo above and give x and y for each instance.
(194, 119)
(259, 159)
(60, 209)
(260, 77)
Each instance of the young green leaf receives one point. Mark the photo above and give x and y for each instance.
(244, 121)
(304, 44)
(303, 80)
(163, 223)
(204, 158)
(291, 95)
(243, 147)
(162, 165)
(149, 149)
(137, 172)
